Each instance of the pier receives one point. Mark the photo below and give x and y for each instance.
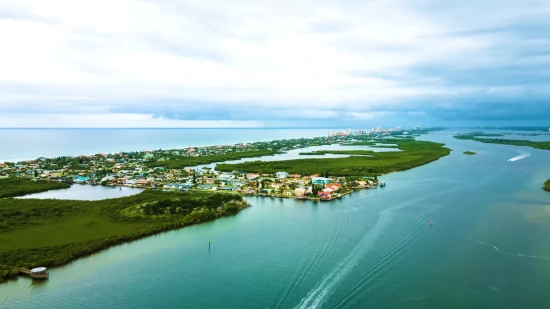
(35, 273)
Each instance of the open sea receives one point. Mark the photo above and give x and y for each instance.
(488, 247)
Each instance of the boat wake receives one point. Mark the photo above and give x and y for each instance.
(514, 255)
(523, 155)
(318, 295)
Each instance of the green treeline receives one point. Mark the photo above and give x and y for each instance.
(11, 187)
(362, 162)
(53, 232)
(547, 185)
(7, 272)
(515, 142)
(192, 161)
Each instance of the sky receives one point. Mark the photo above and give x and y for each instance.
(285, 63)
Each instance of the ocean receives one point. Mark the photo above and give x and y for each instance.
(27, 144)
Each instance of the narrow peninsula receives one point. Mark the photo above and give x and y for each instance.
(48, 232)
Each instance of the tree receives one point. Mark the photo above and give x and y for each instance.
(194, 177)
(35, 173)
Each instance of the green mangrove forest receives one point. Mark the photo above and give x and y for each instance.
(479, 137)
(360, 162)
(11, 187)
(183, 162)
(47, 232)
(547, 185)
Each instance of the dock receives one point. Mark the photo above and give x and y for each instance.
(35, 273)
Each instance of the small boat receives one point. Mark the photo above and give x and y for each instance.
(382, 184)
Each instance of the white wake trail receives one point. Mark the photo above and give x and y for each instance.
(523, 155)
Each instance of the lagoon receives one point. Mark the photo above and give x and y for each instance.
(295, 154)
(85, 193)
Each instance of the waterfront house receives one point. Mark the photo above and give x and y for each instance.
(80, 179)
(300, 192)
(324, 195)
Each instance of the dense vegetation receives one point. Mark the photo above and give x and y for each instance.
(53, 232)
(361, 162)
(469, 152)
(18, 186)
(547, 185)
(193, 161)
(515, 142)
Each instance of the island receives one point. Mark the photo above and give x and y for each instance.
(469, 152)
(412, 153)
(483, 138)
(547, 185)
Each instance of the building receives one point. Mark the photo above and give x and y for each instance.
(320, 181)
(300, 192)
(281, 174)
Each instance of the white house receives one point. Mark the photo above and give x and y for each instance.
(281, 174)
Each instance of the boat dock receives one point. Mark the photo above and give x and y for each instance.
(35, 273)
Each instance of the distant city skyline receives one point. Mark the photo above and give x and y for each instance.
(189, 64)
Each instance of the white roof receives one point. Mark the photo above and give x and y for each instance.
(38, 269)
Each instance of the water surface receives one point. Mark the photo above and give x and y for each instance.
(85, 193)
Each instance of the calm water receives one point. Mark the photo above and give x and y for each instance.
(488, 248)
(86, 193)
(295, 154)
(24, 144)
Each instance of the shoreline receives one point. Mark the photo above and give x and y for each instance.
(143, 226)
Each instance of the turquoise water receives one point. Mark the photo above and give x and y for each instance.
(488, 248)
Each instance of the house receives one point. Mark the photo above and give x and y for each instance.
(80, 179)
(287, 192)
(300, 192)
(143, 182)
(230, 188)
(324, 195)
(252, 176)
(205, 187)
(295, 176)
(362, 183)
(333, 186)
(320, 180)
(281, 174)
(225, 177)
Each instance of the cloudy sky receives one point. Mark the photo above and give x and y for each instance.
(285, 63)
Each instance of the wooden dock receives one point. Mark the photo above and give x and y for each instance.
(27, 272)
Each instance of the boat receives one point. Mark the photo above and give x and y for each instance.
(382, 184)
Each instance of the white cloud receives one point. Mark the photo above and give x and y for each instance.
(333, 57)
(114, 121)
